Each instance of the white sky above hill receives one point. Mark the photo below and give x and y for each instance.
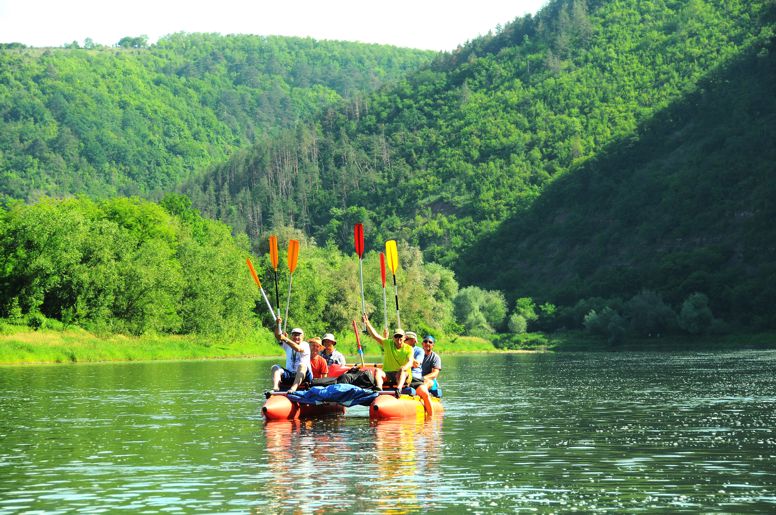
(426, 24)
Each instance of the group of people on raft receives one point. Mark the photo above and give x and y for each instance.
(404, 363)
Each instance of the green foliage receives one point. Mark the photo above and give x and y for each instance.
(140, 119)
(132, 266)
(122, 265)
(695, 317)
(649, 315)
(517, 324)
(479, 311)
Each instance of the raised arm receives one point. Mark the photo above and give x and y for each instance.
(371, 330)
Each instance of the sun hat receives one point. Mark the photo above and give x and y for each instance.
(329, 336)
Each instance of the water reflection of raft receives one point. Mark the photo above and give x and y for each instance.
(385, 406)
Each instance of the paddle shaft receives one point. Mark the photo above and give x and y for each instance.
(361, 280)
(358, 342)
(385, 308)
(396, 295)
(288, 301)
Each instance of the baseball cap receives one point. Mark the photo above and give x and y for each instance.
(411, 334)
(296, 330)
(329, 336)
(398, 332)
(429, 338)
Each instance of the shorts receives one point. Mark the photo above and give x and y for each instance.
(393, 377)
(415, 383)
(288, 377)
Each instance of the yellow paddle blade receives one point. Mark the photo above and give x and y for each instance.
(273, 251)
(253, 272)
(293, 254)
(392, 256)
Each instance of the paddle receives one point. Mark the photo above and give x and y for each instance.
(382, 278)
(358, 342)
(273, 257)
(358, 237)
(293, 257)
(392, 256)
(258, 283)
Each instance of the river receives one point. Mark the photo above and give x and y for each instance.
(553, 432)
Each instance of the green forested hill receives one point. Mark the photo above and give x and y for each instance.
(445, 156)
(686, 204)
(107, 121)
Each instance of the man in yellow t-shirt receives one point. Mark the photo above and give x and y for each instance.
(397, 358)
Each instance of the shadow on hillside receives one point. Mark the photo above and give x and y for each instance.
(684, 204)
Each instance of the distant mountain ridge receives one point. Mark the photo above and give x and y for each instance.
(446, 155)
(109, 121)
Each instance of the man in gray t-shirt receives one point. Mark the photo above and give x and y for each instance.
(431, 366)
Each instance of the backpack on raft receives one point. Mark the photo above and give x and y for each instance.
(361, 378)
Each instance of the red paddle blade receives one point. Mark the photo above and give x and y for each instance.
(293, 255)
(273, 251)
(382, 268)
(358, 237)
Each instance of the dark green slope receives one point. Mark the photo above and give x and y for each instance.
(109, 121)
(445, 156)
(686, 204)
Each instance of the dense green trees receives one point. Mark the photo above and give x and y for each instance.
(132, 266)
(138, 119)
(122, 265)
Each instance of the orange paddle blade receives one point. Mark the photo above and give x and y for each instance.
(392, 255)
(253, 272)
(273, 251)
(293, 255)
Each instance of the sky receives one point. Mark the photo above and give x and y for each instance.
(425, 24)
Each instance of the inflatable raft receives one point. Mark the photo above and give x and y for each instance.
(334, 399)
(388, 406)
(280, 407)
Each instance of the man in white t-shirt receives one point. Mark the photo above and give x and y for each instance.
(297, 367)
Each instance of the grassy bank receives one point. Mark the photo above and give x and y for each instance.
(22, 345)
(79, 346)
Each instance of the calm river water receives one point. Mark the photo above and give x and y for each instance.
(551, 432)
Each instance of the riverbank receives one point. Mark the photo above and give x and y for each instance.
(21, 345)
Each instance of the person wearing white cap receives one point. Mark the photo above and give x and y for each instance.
(330, 354)
(297, 367)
